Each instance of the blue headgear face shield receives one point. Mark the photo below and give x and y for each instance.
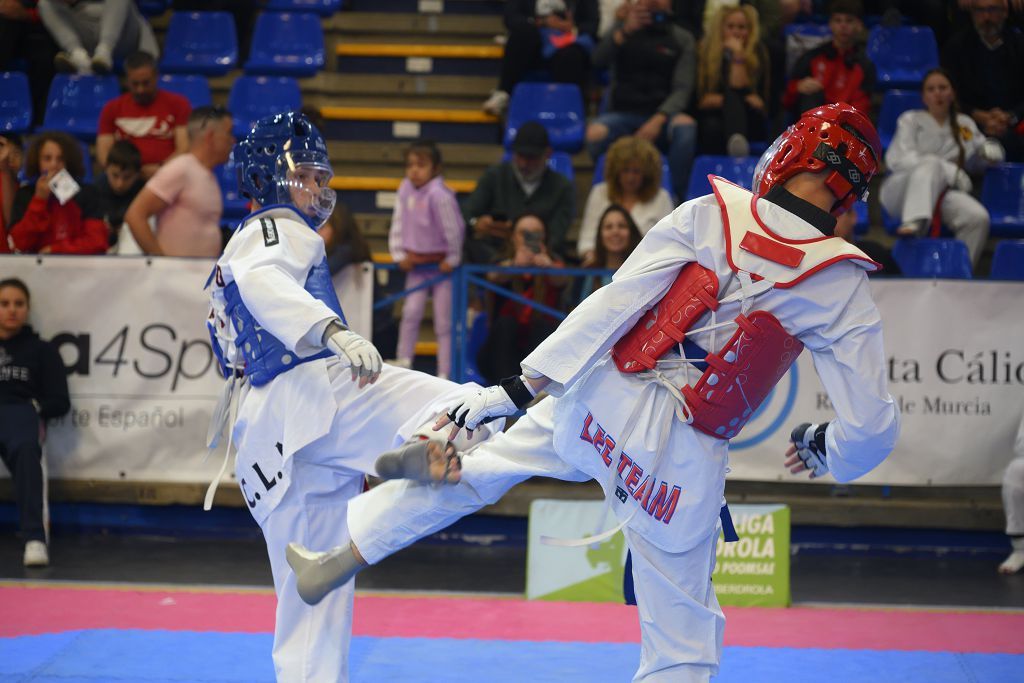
(302, 178)
(283, 160)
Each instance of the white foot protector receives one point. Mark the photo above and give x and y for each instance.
(427, 461)
(317, 574)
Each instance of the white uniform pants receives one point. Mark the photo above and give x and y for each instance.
(912, 195)
(680, 621)
(311, 643)
(1013, 497)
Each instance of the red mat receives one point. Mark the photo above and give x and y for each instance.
(34, 609)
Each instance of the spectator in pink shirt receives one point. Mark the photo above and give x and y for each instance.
(426, 229)
(184, 195)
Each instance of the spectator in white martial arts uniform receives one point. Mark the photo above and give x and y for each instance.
(1013, 505)
(752, 278)
(931, 157)
(306, 433)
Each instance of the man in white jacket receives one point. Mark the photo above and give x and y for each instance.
(305, 431)
(639, 404)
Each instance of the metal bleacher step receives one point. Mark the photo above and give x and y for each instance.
(407, 123)
(413, 23)
(376, 194)
(423, 58)
(448, 7)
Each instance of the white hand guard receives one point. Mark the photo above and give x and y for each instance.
(491, 402)
(992, 152)
(362, 356)
(962, 181)
(810, 447)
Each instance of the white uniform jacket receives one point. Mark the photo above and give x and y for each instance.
(831, 312)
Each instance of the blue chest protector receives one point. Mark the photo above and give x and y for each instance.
(266, 357)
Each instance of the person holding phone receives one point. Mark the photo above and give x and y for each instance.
(517, 328)
(523, 184)
(53, 212)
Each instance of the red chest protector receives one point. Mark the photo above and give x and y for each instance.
(741, 374)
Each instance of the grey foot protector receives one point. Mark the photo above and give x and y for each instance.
(317, 574)
(412, 461)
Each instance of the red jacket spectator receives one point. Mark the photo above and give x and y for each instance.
(39, 222)
(847, 75)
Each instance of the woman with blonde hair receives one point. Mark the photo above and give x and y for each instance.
(632, 171)
(732, 82)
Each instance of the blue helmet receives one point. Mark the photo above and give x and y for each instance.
(283, 160)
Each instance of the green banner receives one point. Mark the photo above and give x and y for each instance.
(752, 571)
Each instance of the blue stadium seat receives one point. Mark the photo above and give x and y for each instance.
(153, 8)
(74, 103)
(739, 171)
(200, 43)
(15, 102)
(863, 223)
(558, 106)
(559, 162)
(235, 205)
(1008, 262)
(894, 103)
(902, 54)
(287, 44)
(194, 88)
(324, 8)
(927, 257)
(253, 97)
(1002, 193)
(86, 162)
(475, 342)
(666, 175)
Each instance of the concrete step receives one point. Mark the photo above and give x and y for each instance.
(406, 123)
(454, 155)
(369, 194)
(418, 24)
(445, 7)
(422, 58)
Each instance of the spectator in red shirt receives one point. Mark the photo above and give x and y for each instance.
(837, 71)
(40, 224)
(10, 163)
(154, 120)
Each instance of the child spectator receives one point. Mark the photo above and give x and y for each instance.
(10, 163)
(931, 154)
(40, 222)
(837, 71)
(617, 237)
(33, 389)
(117, 186)
(633, 181)
(732, 83)
(426, 230)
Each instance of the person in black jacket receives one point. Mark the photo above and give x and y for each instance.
(33, 389)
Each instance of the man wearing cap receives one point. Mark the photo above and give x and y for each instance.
(522, 184)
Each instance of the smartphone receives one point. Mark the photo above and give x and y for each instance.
(532, 241)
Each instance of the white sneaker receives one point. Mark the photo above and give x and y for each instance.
(497, 103)
(913, 228)
(102, 60)
(76, 62)
(36, 554)
(737, 146)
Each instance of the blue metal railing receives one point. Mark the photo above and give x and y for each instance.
(468, 275)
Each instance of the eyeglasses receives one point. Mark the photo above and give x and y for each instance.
(213, 114)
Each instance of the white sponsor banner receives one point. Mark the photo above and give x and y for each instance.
(142, 376)
(955, 362)
(143, 383)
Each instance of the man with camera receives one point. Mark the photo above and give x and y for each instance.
(523, 184)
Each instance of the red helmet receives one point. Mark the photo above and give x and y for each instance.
(835, 138)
